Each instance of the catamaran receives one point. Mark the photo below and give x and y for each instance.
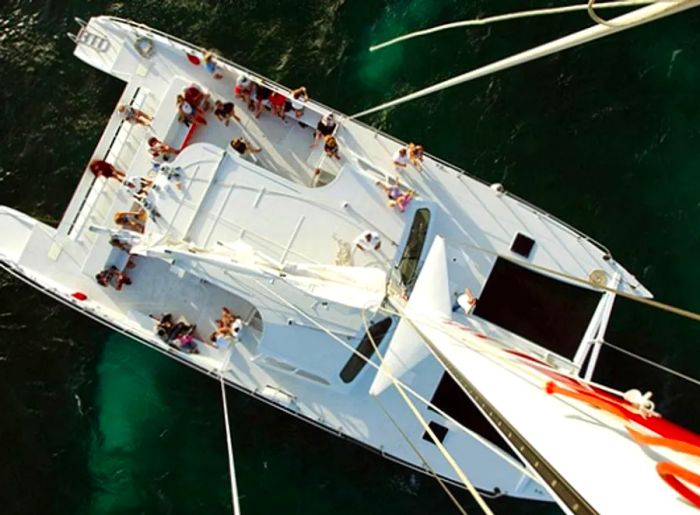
(394, 301)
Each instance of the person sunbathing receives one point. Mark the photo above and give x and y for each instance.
(112, 276)
(244, 147)
(229, 325)
(131, 220)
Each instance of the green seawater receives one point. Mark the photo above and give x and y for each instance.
(605, 136)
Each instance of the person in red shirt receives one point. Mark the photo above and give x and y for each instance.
(278, 100)
(103, 169)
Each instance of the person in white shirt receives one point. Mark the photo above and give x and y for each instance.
(401, 159)
(466, 301)
(368, 240)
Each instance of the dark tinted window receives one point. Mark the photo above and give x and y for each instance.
(408, 265)
(355, 364)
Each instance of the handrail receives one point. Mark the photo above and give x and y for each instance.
(169, 39)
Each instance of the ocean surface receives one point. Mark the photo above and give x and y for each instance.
(606, 136)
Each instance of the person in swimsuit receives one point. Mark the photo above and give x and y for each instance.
(225, 111)
(211, 66)
(415, 155)
(298, 102)
(104, 169)
(132, 115)
(157, 148)
(330, 147)
(131, 220)
(325, 127)
(107, 277)
(243, 146)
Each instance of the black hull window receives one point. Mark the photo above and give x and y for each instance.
(355, 364)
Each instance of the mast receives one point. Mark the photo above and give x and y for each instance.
(624, 22)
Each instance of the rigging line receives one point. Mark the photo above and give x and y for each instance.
(368, 361)
(652, 363)
(623, 22)
(510, 16)
(549, 476)
(692, 315)
(485, 350)
(229, 444)
(426, 427)
(420, 457)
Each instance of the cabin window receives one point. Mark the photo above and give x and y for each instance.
(408, 265)
(451, 399)
(355, 364)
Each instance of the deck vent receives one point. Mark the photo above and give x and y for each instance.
(440, 432)
(522, 245)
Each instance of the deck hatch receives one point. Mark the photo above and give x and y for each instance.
(522, 245)
(439, 430)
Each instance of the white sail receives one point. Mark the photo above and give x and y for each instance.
(585, 455)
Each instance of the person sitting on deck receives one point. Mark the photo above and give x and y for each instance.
(330, 146)
(325, 127)
(260, 98)
(131, 220)
(130, 114)
(186, 343)
(366, 241)
(112, 276)
(159, 149)
(104, 169)
(397, 198)
(298, 101)
(124, 240)
(211, 65)
(243, 146)
(243, 88)
(185, 110)
(277, 102)
(138, 186)
(175, 333)
(400, 159)
(415, 155)
(191, 105)
(392, 191)
(229, 325)
(225, 111)
(466, 301)
(197, 98)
